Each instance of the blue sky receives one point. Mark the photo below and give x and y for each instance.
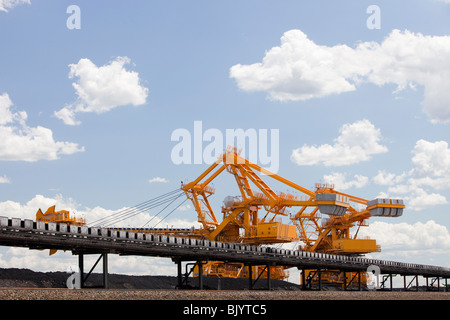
(385, 89)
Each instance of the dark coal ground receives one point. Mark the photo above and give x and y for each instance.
(25, 278)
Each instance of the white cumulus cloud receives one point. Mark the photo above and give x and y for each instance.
(387, 178)
(19, 142)
(340, 181)
(101, 89)
(430, 172)
(300, 69)
(9, 4)
(418, 239)
(158, 180)
(357, 142)
(431, 163)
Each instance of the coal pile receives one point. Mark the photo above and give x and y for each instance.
(25, 278)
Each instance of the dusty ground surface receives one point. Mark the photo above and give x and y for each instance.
(229, 295)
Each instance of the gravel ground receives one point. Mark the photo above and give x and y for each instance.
(124, 294)
(27, 285)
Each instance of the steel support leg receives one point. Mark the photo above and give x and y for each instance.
(320, 279)
(252, 283)
(250, 280)
(83, 279)
(303, 279)
(105, 271)
(432, 283)
(390, 280)
(352, 278)
(345, 280)
(385, 278)
(81, 268)
(359, 280)
(383, 282)
(417, 283)
(200, 274)
(185, 276)
(405, 287)
(179, 275)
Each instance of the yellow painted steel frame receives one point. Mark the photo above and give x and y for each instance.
(62, 216)
(242, 223)
(331, 235)
(245, 213)
(239, 270)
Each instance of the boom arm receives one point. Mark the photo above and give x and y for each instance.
(242, 213)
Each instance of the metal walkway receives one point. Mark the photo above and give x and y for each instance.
(16, 232)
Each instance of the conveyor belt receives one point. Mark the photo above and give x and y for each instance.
(16, 232)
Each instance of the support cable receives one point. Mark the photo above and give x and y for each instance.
(144, 206)
(170, 212)
(136, 212)
(162, 210)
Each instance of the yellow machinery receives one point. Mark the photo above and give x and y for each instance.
(255, 217)
(332, 234)
(242, 220)
(62, 216)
